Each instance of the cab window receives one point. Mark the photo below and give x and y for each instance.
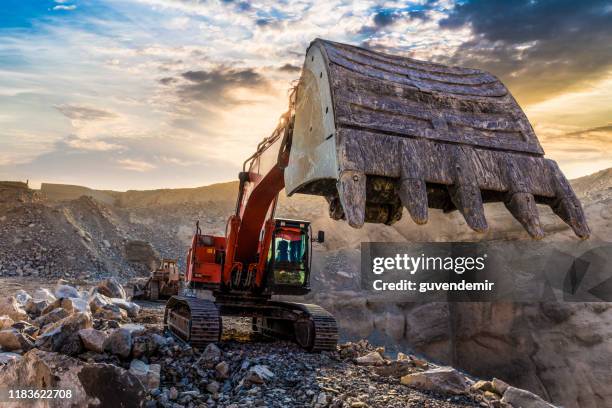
(290, 253)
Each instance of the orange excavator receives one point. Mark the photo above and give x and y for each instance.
(373, 133)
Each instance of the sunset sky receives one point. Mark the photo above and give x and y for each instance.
(141, 94)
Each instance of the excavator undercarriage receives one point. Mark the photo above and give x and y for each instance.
(198, 321)
(372, 133)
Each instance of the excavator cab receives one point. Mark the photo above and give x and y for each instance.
(288, 262)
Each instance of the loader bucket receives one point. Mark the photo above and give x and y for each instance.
(374, 133)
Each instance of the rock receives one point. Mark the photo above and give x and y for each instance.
(25, 327)
(395, 368)
(11, 340)
(372, 358)
(211, 355)
(173, 393)
(259, 374)
(53, 316)
(94, 385)
(131, 308)
(134, 329)
(93, 340)
(22, 297)
(524, 399)
(483, 386)
(11, 308)
(499, 386)
(63, 335)
(97, 301)
(222, 370)
(149, 375)
(445, 380)
(66, 291)
(110, 312)
(36, 307)
(213, 387)
(119, 343)
(44, 294)
(322, 400)
(75, 305)
(111, 288)
(5, 322)
(160, 341)
(7, 357)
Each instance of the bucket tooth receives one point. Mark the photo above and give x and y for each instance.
(523, 208)
(570, 211)
(352, 192)
(413, 194)
(468, 201)
(567, 206)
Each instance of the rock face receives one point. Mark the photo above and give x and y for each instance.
(445, 380)
(91, 384)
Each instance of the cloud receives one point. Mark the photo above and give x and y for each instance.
(84, 113)
(289, 68)
(67, 8)
(216, 86)
(539, 48)
(91, 144)
(136, 165)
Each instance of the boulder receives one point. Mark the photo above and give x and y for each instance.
(524, 399)
(131, 308)
(53, 316)
(499, 386)
(36, 306)
(149, 375)
(11, 340)
(444, 380)
(5, 322)
(25, 327)
(119, 343)
(373, 358)
(22, 297)
(110, 312)
(7, 357)
(75, 305)
(10, 307)
(66, 291)
(93, 340)
(63, 335)
(44, 294)
(97, 301)
(111, 288)
(92, 385)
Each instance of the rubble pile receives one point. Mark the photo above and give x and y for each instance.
(95, 343)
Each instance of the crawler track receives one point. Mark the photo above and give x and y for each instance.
(196, 321)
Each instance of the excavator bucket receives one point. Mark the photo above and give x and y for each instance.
(374, 133)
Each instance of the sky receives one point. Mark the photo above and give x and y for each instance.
(143, 94)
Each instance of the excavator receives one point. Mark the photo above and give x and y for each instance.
(373, 133)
